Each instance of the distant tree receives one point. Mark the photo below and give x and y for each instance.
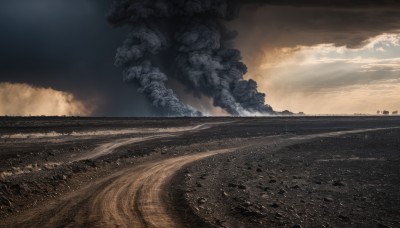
(395, 113)
(385, 112)
(378, 112)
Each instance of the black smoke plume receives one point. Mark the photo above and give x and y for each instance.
(185, 40)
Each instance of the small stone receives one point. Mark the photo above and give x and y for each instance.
(265, 196)
(60, 177)
(274, 205)
(247, 204)
(345, 218)
(296, 226)
(338, 183)
(380, 225)
(5, 201)
(281, 192)
(328, 199)
(201, 200)
(232, 185)
(259, 170)
(241, 186)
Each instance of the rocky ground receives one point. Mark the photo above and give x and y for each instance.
(272, 178)
(347, 181)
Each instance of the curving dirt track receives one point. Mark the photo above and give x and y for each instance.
(110, 147)
(129, 198)
(133, 197)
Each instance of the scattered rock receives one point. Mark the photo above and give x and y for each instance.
(250, 212)
(60, 177)
(328, 199)
(265, 196)
(247, 204)
(201, 200)
(241, 186)
(5, 201)
(20, 188)
(296, 187)
(281, 191)
(51, 154)
(274, 205)
(381, 225)
(90, 163)
(344, 218)
(338, 183)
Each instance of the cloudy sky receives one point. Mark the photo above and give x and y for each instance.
(66, 46)
(324, 59)
(317, 57)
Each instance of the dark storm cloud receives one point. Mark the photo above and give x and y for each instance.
(310, 22)
(326, 3)
(68, 46)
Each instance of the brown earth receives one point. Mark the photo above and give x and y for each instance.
(181, 172)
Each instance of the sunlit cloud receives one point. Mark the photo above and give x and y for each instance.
(379, 43)
(23, 100)
(324, 78)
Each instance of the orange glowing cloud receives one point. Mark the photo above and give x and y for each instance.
(18, 99)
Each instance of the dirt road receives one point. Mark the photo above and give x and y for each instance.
(133, 197)
(129, 198)
(110, 147)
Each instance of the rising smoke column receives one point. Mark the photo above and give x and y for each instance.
(191, 33)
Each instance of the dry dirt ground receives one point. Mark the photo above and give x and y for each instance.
(200, 172)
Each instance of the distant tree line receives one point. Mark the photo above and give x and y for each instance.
(384, 112)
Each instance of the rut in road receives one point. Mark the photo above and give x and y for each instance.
(129, 198)
(143, 209)
(110, 147)
(132, 197)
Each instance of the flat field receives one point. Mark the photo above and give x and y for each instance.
(200, 172)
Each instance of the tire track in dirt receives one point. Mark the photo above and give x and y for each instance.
(133, 197)
(110, 147)
(128, 198)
